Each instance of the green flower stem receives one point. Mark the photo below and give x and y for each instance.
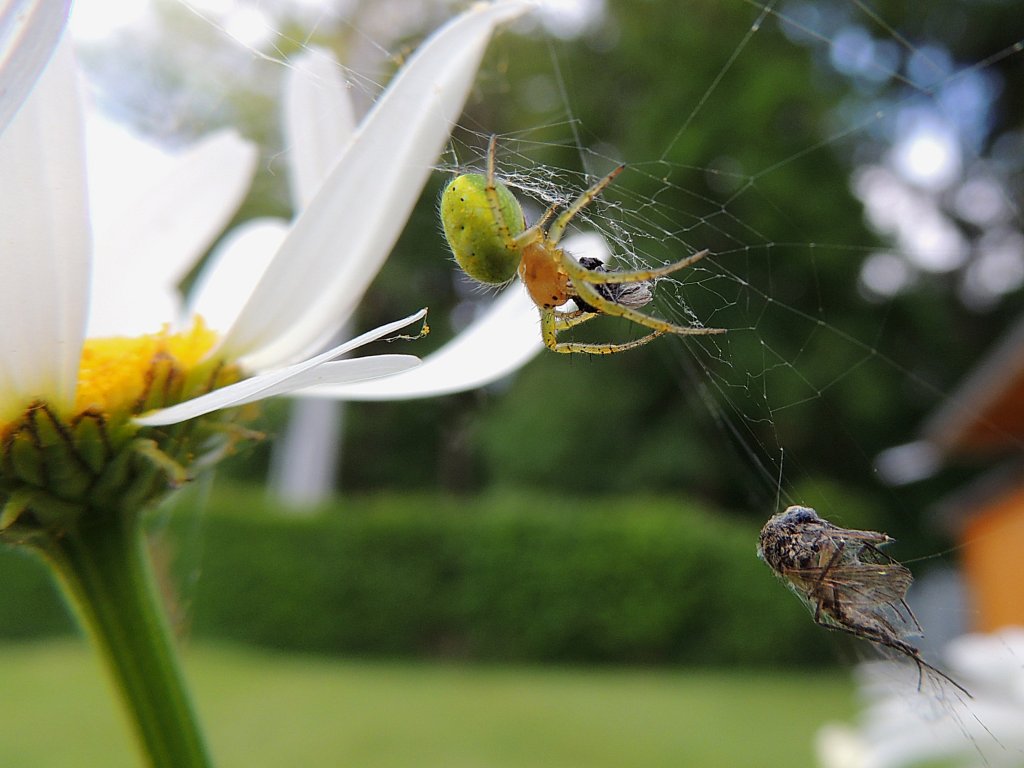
(104, 569)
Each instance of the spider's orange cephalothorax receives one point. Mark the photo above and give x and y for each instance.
(545, 280)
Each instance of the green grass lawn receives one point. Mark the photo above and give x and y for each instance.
(264, 709)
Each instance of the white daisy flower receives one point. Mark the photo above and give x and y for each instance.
(78, 460)
(94, 389)
(29, 31)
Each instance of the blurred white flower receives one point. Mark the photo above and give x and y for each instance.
(902, 727)
(840, 746)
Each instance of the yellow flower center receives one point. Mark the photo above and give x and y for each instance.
(56, 466)
(117, 374)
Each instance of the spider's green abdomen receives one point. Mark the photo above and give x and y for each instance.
(480, 244)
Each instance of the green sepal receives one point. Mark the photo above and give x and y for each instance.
(165, 386)
(92, 442)
(18, 503)
(106, 492)
(66, 474)
(26, 460)
(154, 472)
(147, 451)
(47, 512)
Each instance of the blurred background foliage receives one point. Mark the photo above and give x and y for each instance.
(508, 577)
(753, 141)
(753, 145)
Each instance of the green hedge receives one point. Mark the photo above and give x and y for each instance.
(30, 605)
(508, 578)
(503, 578)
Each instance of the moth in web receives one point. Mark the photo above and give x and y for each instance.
(848, 583)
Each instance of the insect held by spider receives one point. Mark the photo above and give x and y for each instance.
(848, 583)
(486, 229)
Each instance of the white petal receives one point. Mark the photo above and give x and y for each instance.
(357, 369)
(44, 242)
(29, 31)
(588, 244)
(154, 243)
(233, 269)
(257, 387)
(503, 340)
(318, 122)
(340, 241)
(122, 306)
(119, 162)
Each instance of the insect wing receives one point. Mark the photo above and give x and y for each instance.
(861, 565)
(867, 593)
(887, 579)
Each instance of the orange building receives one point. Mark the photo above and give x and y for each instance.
(983, 420)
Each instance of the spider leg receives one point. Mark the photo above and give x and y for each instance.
(494, 202)
(543, 220)
(533, 234)
(557, 229)
(552, 322)
(638, 276)
(590, 295)
(566, 320)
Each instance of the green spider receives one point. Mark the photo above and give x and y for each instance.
(487, 232)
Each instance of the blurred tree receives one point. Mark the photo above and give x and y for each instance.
(744, 126)
(750, 141)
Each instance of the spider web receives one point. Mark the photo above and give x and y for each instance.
(764, 387)
(744, 284)
(753, 381)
